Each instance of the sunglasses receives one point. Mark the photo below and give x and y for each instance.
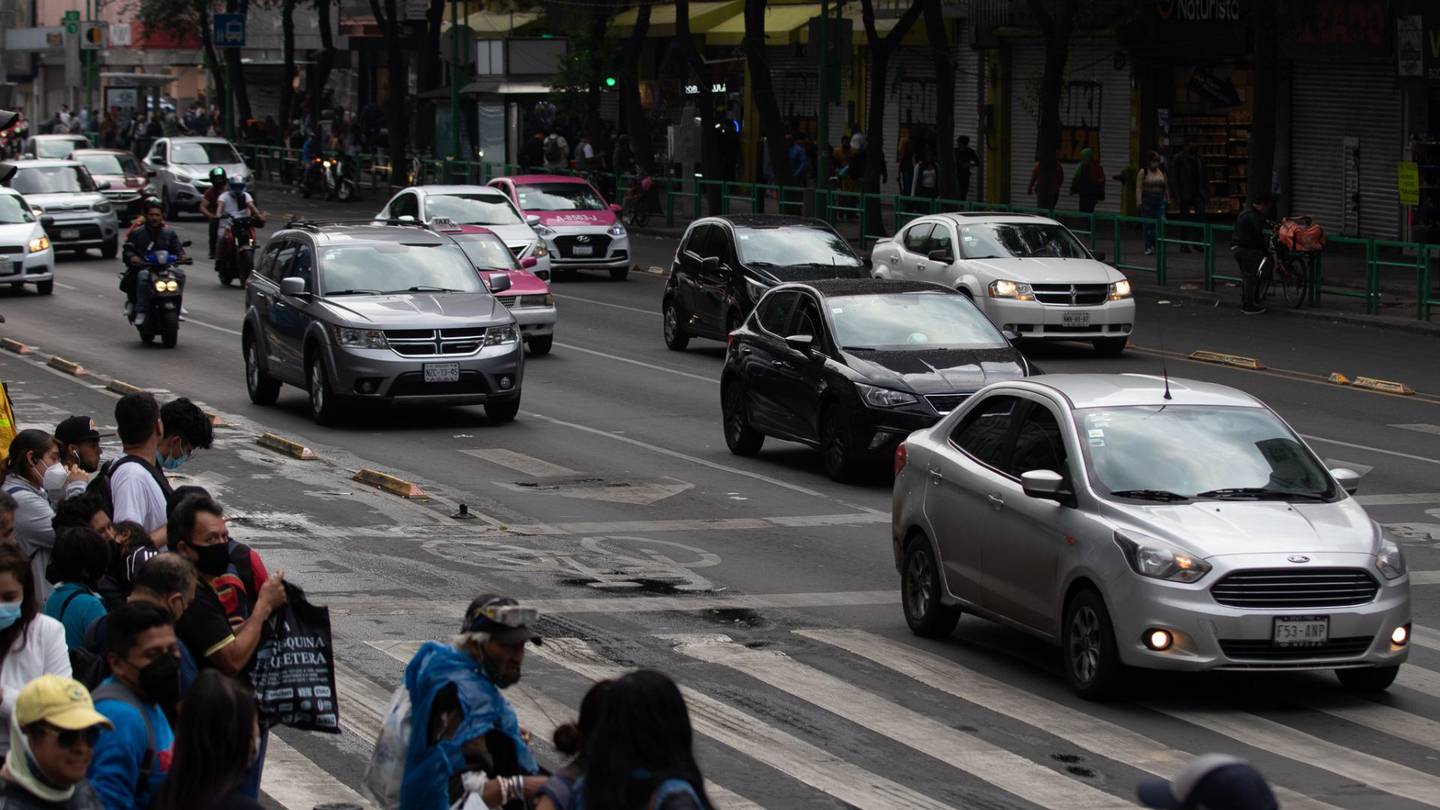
(68, 738)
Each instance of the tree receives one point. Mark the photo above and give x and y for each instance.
(762, 91)
(1055, 29)
(326, 62)
(182, 19)
(881, 48)
(709, 134)
(940, 53)
(633, 113)
(387, 17)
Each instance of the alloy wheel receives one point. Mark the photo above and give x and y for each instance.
(317, 388)
(918, 594)
(252, 368)
(1085, 643)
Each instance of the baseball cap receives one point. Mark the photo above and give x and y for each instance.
(502, 618)
(62, 702)
(78, 429)
(1212, 780)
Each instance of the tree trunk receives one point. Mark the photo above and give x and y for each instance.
(880, 50)
(212, 64)
(709, 140)
(431, 71)
(324, 64)
(762, 90)
(243, 112)
(287, 87)
(598, 22)
(390, 24)
(940, 53)
(1056, 29)
(1262, 125)
(635, 120)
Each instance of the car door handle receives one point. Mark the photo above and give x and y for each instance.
(779, 364)
(936, 477)
(996, 501)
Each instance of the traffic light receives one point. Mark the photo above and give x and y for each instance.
(610, 80)
(95, 36)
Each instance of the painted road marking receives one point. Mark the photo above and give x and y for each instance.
(1425, 637)
(1420, 679)
(297, 783)
(381, 606)
(1431, 429)
(1084, 730)
(1425, 578)
(606, 304)
(1402, 499)
(226, 330)
(1410, 727)
(617, 358)
(997, 766)
(521, 463)
(1370, 449)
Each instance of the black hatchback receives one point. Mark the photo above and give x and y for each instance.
(724, 264)
(854, 366)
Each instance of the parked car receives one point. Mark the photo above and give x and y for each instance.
(371, 314)
(1029, 274)
(53, 147)
(182, 168)
(528, 297)
(129, 183)
(853, 366)
(473, 205)
(1143, 522)
(580, 228)
(723, 266)
(76, 215)
(25, 253)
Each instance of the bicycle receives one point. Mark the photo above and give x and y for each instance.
(1290, 259)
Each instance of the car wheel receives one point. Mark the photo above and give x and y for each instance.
(323, 407)
(1092, 661)
(499, 412)
(619, 273)
(676, 338)
(45, 287)
(842, 463)
(1369, 679)
(110, 249)
(1110, 347)
(740, 437)
(920, 591)
(540, 344)
(263, 388)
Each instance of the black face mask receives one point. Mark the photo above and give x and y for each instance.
(212, 560)
(160, 680)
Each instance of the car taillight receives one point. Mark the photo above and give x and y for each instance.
(901, 456)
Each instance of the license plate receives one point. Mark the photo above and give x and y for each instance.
(1301, 631)
(582, 250)
(442, 372)
(11, 268)
(69, 233)
(1075, 319)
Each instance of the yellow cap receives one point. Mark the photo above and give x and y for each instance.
(61, 702)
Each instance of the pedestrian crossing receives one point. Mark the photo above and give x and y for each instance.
(814, 708)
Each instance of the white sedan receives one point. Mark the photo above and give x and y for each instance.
(25, 253)
(1030, 275)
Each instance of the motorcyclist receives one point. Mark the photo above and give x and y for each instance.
(235, 202)
(153, 235)
(311, 150)
(210, 203)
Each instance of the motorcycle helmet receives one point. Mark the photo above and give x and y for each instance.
(217, 176)
(151, 202)
(238, 186)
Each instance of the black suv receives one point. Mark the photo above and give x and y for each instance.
(725, 264)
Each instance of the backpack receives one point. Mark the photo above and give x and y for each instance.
(86, 666)
(100, 485)
(114, 691)
(386, 771)
(554, 153)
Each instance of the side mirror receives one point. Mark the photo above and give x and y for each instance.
(1348, 479)
(941, 255)
(103, 185)
(1043, 484)
(157, 161)
(528, 262)
(405, 218)
(710, 264)
(617, 208)
(499, 282)
(47, 222)
(532, 220)
(293, 287)
(801, 343)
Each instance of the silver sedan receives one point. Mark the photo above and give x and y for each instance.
(1179, 526)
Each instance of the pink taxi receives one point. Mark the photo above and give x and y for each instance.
(582, 230)
(528, 297)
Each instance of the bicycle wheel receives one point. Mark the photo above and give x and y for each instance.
(1295, 282)
(1264, 277)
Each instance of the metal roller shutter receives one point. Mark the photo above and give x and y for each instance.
(1370, 101)
(911, 97)
(1027, 65)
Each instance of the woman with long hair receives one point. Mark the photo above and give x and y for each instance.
(215, 742)
(31, 644)
(560, 793)
(640, 755)
(32, 452)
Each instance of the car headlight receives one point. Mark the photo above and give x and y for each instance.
(500, 335)
(360, 338)
(546, 300)
(617, 230)
(540, 250)
(1152, 558)
(183, 176)
(878, 397)
(545, 230)
(1120, 290)
(39, 243)
(101, 208)
(1389, 559)
(1017, 290)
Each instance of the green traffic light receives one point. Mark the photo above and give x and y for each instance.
(609, 81)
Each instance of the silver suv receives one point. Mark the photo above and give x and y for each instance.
(378, 314)
(1140, 523)
(76, 215)
(182, 169)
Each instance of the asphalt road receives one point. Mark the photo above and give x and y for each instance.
(764, 588)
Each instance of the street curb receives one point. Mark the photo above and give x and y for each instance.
(290, 448)
(1236, 360)
(390, 484)
(11, 345)
(216, 419)
(68, 366)
(122, 388)
(1331, 315)
(1386, 386)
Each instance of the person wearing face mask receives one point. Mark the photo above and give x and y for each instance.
(32, 452)
(85, 511)
(31, 643)
(167, 582)
(159, 439)
(81, 558)
(52, 739)
(133, 757)
(216, 740)
(79, 448)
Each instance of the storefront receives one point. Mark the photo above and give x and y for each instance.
(1417, 67)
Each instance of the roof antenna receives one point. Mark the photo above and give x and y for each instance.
(1164, 368)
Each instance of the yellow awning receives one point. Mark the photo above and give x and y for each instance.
(782, 25)
(703, 16)
(492, 24)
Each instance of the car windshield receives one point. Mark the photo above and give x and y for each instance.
(472, 209)
(559, 197)
(487, 251)
(57, 148)
(794, 245)
(396, 268)
(1001, 240)
(1188, 451)
(911, 320)
(52, 179)
(14, 211)
(110, 164)
(187, 154)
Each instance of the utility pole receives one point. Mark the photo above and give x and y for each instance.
(89, 62)
(822, 114)
(454, 79)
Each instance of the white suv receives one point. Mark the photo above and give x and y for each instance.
(1029, 274)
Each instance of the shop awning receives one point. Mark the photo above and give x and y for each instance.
(783, 25)
(703, 17)
(137, 79)
(495, 24)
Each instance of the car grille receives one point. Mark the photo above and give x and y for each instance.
(433, 343)
(412, 384)
(1265, 650)
(12, 248)
(1071, 294)
(566, 245)
(507, 300)
(1282, 588)
(87, 230)
(945, 403)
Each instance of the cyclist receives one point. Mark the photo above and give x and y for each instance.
(1252, 251)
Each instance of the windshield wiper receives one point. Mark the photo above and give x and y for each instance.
(354, 292)
(426, 288)
(1261, 493)
(1149, 494)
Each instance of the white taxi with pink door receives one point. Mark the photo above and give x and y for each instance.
(582, 230)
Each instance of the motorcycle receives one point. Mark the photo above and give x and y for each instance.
(237, 252)
(164, 284)
(312, 182)
(339, 178)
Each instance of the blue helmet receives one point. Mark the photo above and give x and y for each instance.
(237, 185)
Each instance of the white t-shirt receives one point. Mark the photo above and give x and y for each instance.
(43, 653)
(230, 208)
(137, 497)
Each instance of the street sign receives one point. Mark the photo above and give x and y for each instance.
(92, 36)
(119, 35)
(71, 19)
(229, 30)
(1408, 182)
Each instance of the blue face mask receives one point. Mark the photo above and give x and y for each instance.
(9, 614)
(170, 464)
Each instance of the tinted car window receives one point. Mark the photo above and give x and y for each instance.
(794, 245)
(491, 208)
(304, 264)
(205, 153)
(52, 179)
(916, 237)
(701, 241)
(984, 432)
(283, 260)
(808, 320)
(773, 314)
(1038, 443)
(939, 240)
(266, 265)
(404, 206)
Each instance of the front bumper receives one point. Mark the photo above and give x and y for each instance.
(27, 268)
(605, 250)
(128, 204)
(880, 430)
(1209, 635)
(79, 231)
(492, 374)
(1032, 320)
(187, 197)
(534, 321)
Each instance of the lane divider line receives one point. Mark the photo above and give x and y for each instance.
(68, 366)
(122, 388)
(12, 345)
(289, 447)
(1236, 360)
(390, 484)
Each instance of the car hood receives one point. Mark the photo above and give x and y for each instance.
(1216, 528)
(1047, 271)
(808, 272)
(419, 310)
(66, 200)
(20, 233)
(574, 219)
(517, 235)
(936, 371)
(522, 282)
(121, 182)
(201, 171)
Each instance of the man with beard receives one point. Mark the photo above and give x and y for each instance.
(79, 448)
(460, 717)
(132, 758)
